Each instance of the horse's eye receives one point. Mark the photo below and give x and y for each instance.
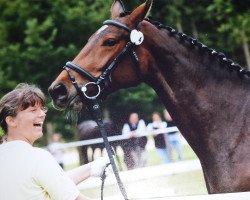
(109, 42)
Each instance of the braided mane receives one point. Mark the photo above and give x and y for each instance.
(195, 43)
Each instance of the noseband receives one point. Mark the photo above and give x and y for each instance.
(103, 82)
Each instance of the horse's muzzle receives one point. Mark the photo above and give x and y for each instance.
(59, 94)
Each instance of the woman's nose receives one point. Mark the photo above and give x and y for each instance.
(43, 111)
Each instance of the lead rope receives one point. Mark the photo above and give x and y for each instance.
(95, 110)
(103, 177)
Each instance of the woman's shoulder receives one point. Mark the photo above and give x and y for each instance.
(141, 121)
(41, 152)
(43, 156)
(164, 123)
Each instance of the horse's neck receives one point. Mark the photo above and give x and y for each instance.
(203, 97)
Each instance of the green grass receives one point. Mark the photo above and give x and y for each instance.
(187, 183)
(153, 158)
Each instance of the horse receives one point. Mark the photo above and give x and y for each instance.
(88, 129)
(207, 94)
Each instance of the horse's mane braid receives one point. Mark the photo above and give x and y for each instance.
(194, 42)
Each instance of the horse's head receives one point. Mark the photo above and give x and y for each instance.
(114, 57)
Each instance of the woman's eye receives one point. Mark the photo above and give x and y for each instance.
(44, 109)
(110, 42)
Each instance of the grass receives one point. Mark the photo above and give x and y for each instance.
(153, 158)
(187, 183)
(181, 184)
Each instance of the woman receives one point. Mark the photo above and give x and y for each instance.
(157, 127)
(134, 146)
(28, 172)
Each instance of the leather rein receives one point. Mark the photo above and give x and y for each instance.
(101, 84)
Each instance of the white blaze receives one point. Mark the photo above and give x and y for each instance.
(102, 29)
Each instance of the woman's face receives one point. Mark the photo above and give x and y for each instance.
(156, 118)
(29, 123)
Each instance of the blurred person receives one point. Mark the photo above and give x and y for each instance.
(55, 148)
(134, 147)
(158, 128)
(29, 172)
(174, 137)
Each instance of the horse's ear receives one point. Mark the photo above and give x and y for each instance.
(117, 8)
(141, 12)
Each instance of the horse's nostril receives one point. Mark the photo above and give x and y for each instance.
(59, 91)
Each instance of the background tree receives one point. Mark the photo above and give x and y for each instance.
(38, 37)
(233, 18)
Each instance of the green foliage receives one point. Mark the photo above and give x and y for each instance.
(231, 20)
(141, 99)
(38, 37)
(1, 132)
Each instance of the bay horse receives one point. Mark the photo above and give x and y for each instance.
(88, 129)
(207, 94)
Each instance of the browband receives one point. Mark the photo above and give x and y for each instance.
(117, 24)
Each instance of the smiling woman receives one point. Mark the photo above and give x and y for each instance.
(22, 113)
(32, 173)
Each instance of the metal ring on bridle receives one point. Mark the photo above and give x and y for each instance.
(84, 90)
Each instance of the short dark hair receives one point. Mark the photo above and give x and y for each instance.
(22, 97)
(156, 113)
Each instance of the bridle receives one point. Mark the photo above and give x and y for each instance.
(102, 84)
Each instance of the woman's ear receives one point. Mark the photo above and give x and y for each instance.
(116, 9)
(10, 121)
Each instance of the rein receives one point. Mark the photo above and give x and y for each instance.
(101, 84)
(96, 114)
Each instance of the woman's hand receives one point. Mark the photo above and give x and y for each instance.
(98, 166)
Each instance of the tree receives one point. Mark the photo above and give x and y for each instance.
(234, 20)
(36, 40)
(141, 99)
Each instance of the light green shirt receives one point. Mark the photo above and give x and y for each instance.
(29, 173)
